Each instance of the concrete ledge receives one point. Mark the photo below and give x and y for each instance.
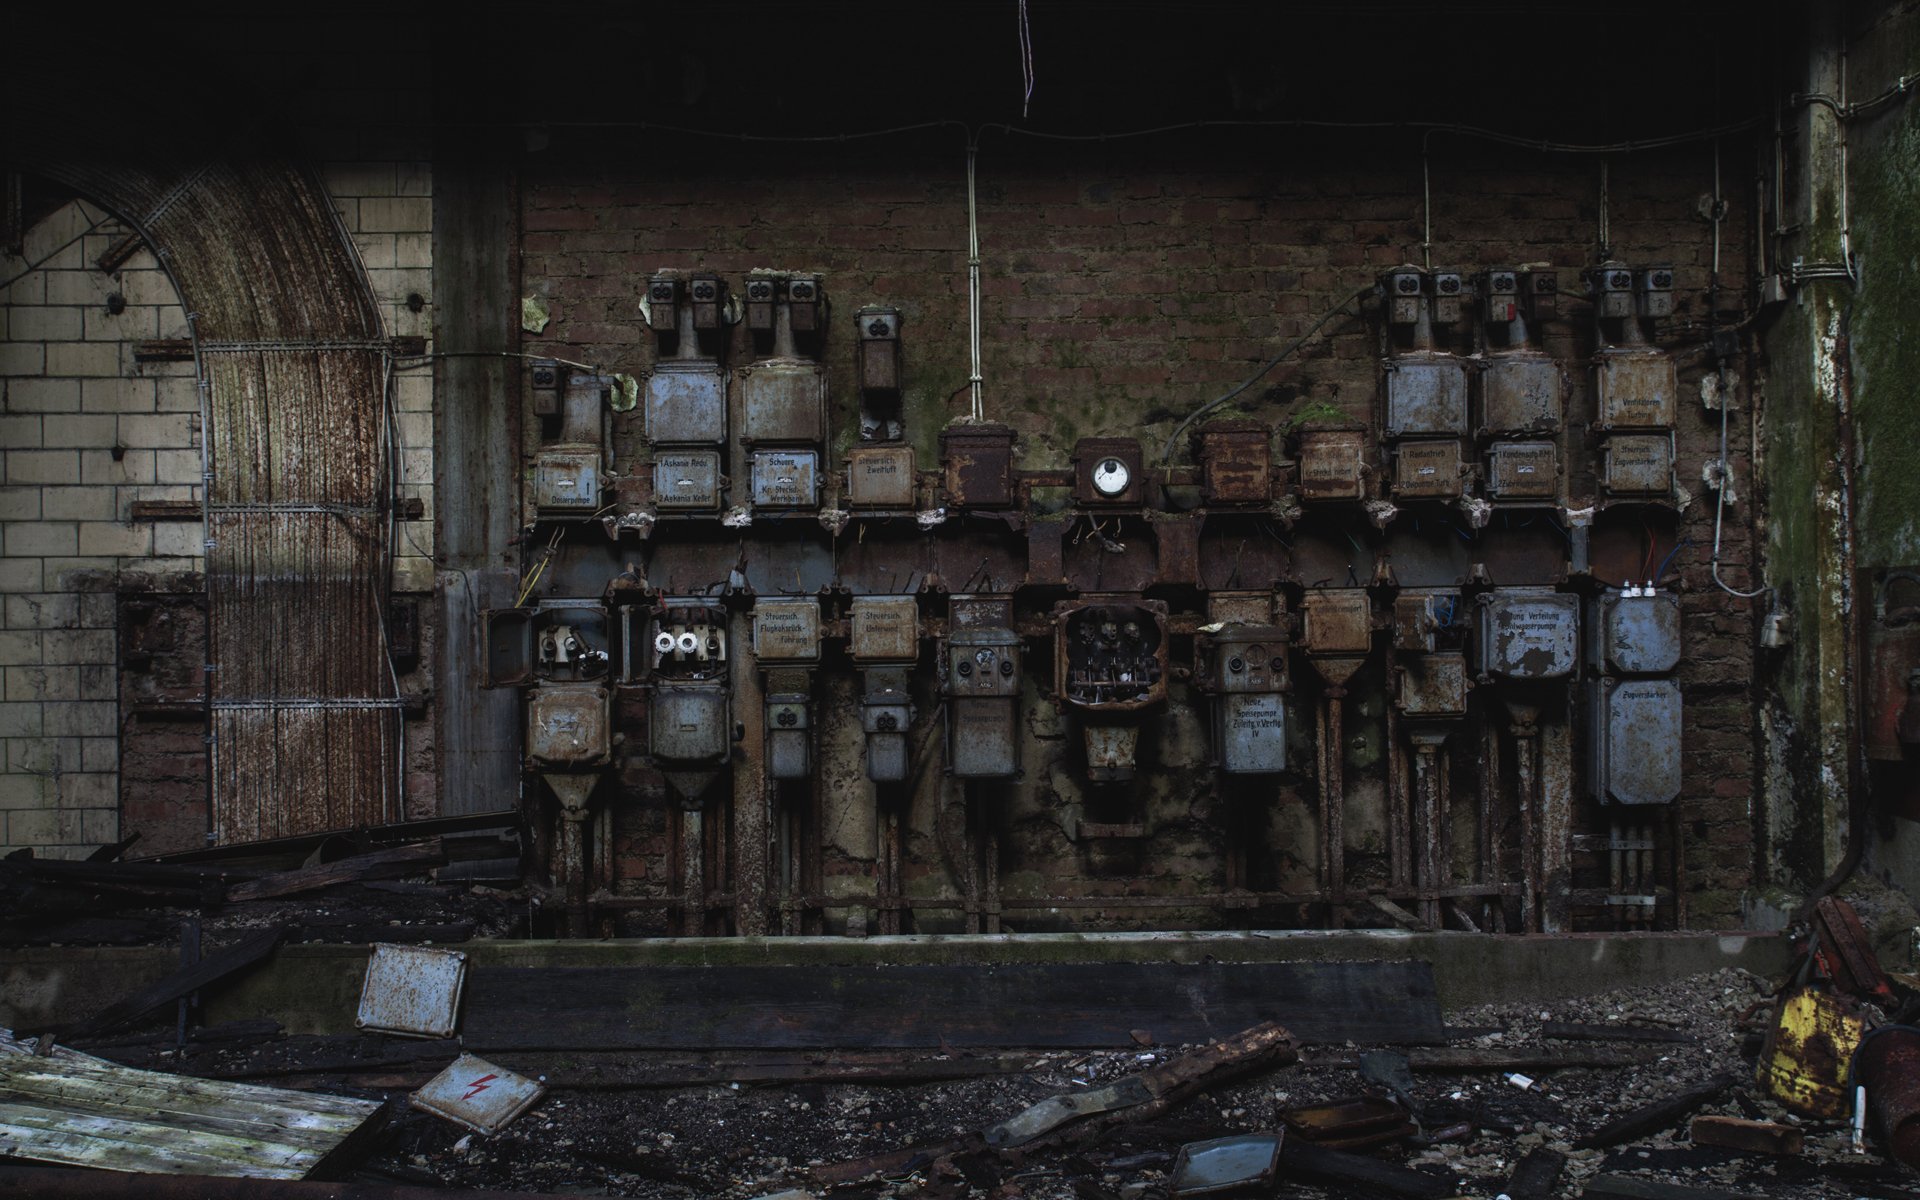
(316, 988)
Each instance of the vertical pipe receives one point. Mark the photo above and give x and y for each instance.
(1489, 788)
(1526, 749)
(750, 842)
(693, 871)
(1397, 800)
(573, 856)
(1426, 810)
(1335, 784)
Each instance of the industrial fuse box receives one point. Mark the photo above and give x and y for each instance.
(789, 725)
(566, 482)
(978, 460)
(886, 712)
(880, 477)
(687, 480)
(981, 677)
(786, 630)
(1634, 389)
(1523, 471)
(1637, 464)
(1528, 633)
(1426, 395)
(1337, 622)
(686, 403)
(1333, 463)
(1634, 633)
(885, 629)
(1432, 685)
(1108, 471)
(1633, 740)
(1250, 707)
(878, 348)
(1236, 462)
(785, 478)
(689, 726)
(1428, 470)
(1521, 392)
(568, 725)
(783, 401)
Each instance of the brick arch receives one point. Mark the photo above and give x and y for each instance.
(293, 368)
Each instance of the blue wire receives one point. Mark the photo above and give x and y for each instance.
(1662, 572)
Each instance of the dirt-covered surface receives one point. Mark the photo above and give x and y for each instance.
(747, 1141)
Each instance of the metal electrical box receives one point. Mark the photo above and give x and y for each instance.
(885, 629)
(981, 677)
(1637, 464)
(1634, 741)
(786, 630)
(1521, 392)
(1433, 685)
(878, 348)
(886, 712)
(1635, 635)
(567, 482)
(783, 401)
(1108, 471)
(1426, 395)
(1428, 470)
(1634, 389)
(788, 732)
(1236, 462)
(1528, 634)
(687, 480)
(1333, 464)
(1338, 622)
(1416, 620)
(880, 477)
(1250, 711)
(686, 403)
(688, 726)
(1523, 471)
(568, 725)
(979, 465)
(786, 478)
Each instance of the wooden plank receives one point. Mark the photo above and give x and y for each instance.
(1568, 1031)
(205, 973)
(381, 864)
(1535, 1175)
(83, 1112)
(1652, 1118)
(1301, 1159)
(1754, 1137)
(1079, 1005)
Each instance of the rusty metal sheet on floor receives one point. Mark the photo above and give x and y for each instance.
(81, 1111)
(1051, 1005)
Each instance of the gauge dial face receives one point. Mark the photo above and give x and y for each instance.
(1111, 476)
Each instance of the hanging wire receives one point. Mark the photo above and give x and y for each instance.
(1026, 61)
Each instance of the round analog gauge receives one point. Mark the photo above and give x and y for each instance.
(1111, 476)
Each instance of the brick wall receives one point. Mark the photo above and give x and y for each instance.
(1125, 284)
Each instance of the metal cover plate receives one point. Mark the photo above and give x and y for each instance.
(687, 479)
(688, 723)
(786, 479)
(1636, 741)
(1638, 464)
(1331, 464)
(1245, 1161)
(1529, 636)
(567, 725)
(1523, 471)
(1427, 469)
(1426, 395)
(1433, 685)
(1521, 393)
(1634, 389)
(478, 1095)
(783, 402)
(786, 630)
(1338, 622)
(566, 481)
(686, 402)
(885, 629)
(880, 477)
(1640, 635)
(1253, 733)
(983, 663)
(981, 737)
(412, 990)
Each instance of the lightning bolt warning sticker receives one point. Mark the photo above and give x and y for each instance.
(479, 1085)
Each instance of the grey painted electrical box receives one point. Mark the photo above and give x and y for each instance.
(885, 714)
(688, 724)
(1634, 389)
(786, 479)
(1635, 635)
(1426, 394)
(686, 403)
(567, 482)
(880, 477)
(786, 630)
(983, 688)
(788, 737)
(568, 725)
(1427, 469)
(1521, 392)
(1633, 741)
(1525, 633)
(686, 479)
(1252, 732)
(1637, 464)
(1523, 471)
(783, 401)
(1433, 685)
(885, 629)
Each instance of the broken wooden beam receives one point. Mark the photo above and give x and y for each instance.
(1465, 1059)
(1568, 1031)
(1652, 1118)
(1535, 1176)
(205, 973)
(1752, 1137)
(381, 864)
(52, 1183)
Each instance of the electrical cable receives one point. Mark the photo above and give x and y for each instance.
(1167, 456)
(1719, 513)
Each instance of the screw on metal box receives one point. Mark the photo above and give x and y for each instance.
(412, 990)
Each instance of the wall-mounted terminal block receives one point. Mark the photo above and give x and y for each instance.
(1248, 676)
(1337, 622)
(1426, 395)
(1637, 465)
(1541, 290)
(1110, 665)
(880, 477)
(789, 724)
(1108, 471)
(785, 478)
(689, 727)
(1634, 388)
(762, 289)
(876, 351)
(981, 678)
(1333, 462)
(978, 464)
(1500, 295)
(1405, 290)
(786, 630)
(1633, 740)
(687, 480)
(1449, 292)
(543, 380)
(1430, 680)
(664, 292)
(1654, 286)
(568, 725)
(1527, 634)
(1236, 462)
(1611, 285)
(685, 394)
(1523, 471)
(884, 640)
(1427, 470)
(1634, 631)
(567, 472)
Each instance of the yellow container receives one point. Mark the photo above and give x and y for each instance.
(1805, 1062)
